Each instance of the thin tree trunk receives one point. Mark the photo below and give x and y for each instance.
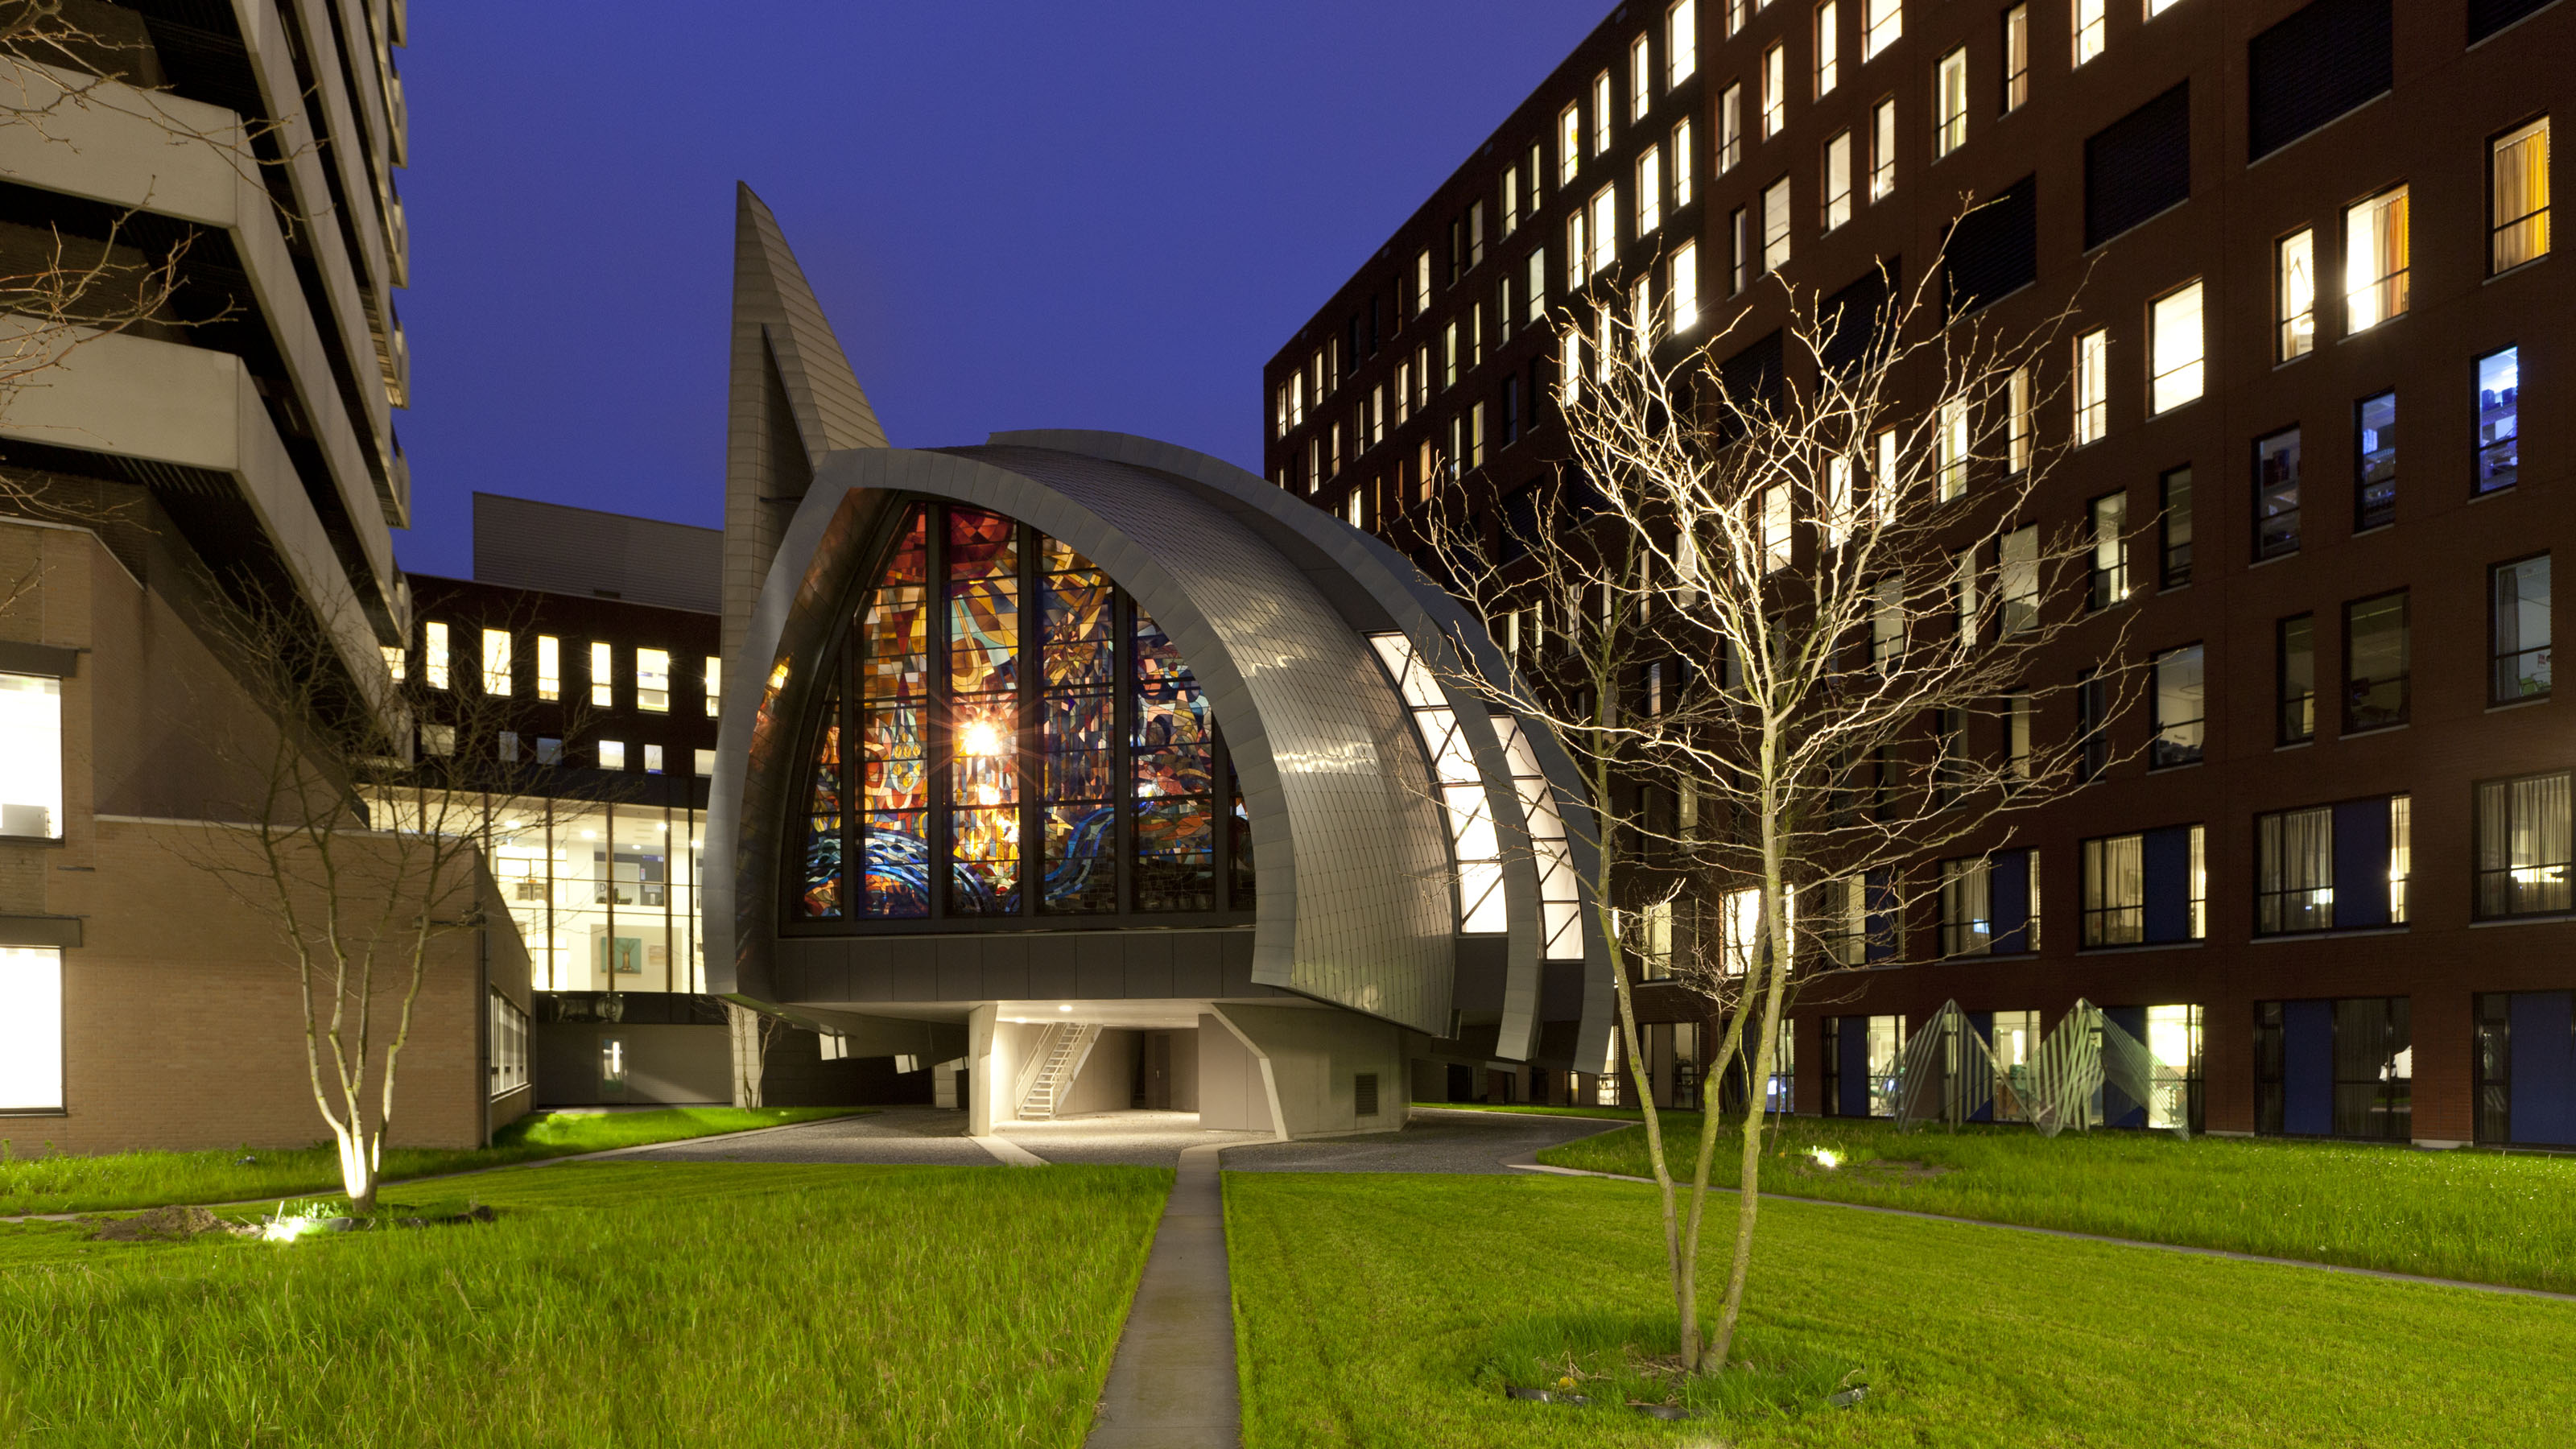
(1749, 1194)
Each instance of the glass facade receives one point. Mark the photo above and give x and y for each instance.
(605, 893)
(1082, 783)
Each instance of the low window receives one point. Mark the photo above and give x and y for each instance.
(2180, 710)
(31, 757)
(31, 1028)
(2376, 680)
(2374, 461)
(2523, 846)
(509, 1046)
(1860, 1064)
(2499, 457)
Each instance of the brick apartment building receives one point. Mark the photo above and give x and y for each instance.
(2330, 888)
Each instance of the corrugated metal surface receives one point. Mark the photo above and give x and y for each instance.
(530, 545)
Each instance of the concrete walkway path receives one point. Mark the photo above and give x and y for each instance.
(1172, 1385)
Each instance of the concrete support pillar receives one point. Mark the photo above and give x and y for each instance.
(987, 1072)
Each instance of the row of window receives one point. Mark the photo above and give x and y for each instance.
(511, 749)
(1865, 1056)
(499, 671)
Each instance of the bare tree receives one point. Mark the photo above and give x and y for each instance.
(363, 836)
(1786, 606)
(753, 1032)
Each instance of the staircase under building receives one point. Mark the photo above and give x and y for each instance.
(1060, 1058)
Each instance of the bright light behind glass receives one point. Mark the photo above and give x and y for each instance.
(1472, 838)
(31, 756)
(31, 1029)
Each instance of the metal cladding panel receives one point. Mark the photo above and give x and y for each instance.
(532, 545)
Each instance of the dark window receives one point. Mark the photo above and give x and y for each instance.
(2181, 716)
(1351, 345)
(2175, 526)
(2374, 461)
(2270, 1032)
(1850, 318)
(2297, 674)
(1520, 523)
(2523, 850)
(2375, 679)
(2110, 554)
(2486, 17)
(1752, 380)
(2138, 166)
(1994, 250)
(2518, 630)
(2499, 459)
(2276, 494)
(2492, 1063)
(1377, 308)
(2092, 725)
(2321, 62)
(2374, 1069)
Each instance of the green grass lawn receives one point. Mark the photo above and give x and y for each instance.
(647, 1304)
(55, 1183)
(1387, 1311)
(2474, 1215)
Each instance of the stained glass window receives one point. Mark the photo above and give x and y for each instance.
(1175, 764)
(1105, 755)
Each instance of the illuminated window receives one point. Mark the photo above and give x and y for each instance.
(2175, 343)
(1560, 901)
(2375, 260)
(1641, 78)
(1685, 287)
(2018, 423)
(603, 675)
(2091, 28)
(706, 764)
(1682, 181)
(2092, 387)
(1650, 191)
(2016, 58)
(394, 662)
(1882, 150)
(1775, 91)
(1886, 25)
(2017, 579)
(31, 757)
(2295, 275)
(714, 685)
(2524, 853)
(2499, 407)
(2180, 709)
(1681, 42)
(1475, 845)
(1779, 528)
(1569, 145)
(549, 667)
(1838, 180)
(1605, 229)
(1536, 287)
(612, 754)
(1601, 113)
(1950, 446)
(1061, 728)
(31, 1029)
(2520, 186)
(1775, 225)
(434, 657)
(496, 661)
(652, 759)
(1950, 104)
(1730, 128)
(1828, 47)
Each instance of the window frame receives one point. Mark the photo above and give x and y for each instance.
(2497, 229)
(2368, 515)
(2192, 372)
(29, 956)
(2394, 284)
(2016, 58)
(2403, 713)
(2294, 332)
(2482, 873)
(2497, 654)
(2162, 753)
(2171, 575)
(2297, 485)
(2484, 449)
(1950, 102)
(2284, 701)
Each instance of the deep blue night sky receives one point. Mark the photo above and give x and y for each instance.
(1016, 215)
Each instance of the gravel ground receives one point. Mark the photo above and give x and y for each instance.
(1434, 1141)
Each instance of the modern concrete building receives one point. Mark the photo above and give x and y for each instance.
(211, 416)
(2331, 882)
(1094, 771)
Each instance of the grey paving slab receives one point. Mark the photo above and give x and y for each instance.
(1172, 1384)
(902, 1136)
(1489, 1143)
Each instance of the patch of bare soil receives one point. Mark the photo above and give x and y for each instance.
(165, 1225)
